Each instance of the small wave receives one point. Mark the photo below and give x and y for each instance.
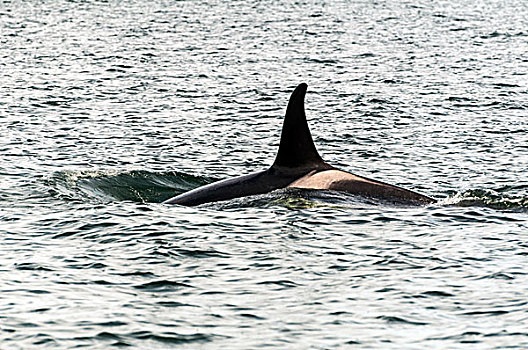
(172, 338)
(31, 267)
(163, 285)
(437, 293)
(282, 284)
(110, 185)
(497, 34)
(198, 253)
(396, 319)
(323, 61)
(495, 199)
(485, 313)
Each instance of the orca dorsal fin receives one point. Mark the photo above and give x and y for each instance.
(296, 147)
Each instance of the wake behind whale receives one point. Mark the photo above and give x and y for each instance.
(298, 165)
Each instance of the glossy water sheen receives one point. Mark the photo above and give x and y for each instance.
(108, 108)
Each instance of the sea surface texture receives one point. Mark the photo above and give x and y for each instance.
(107, 108)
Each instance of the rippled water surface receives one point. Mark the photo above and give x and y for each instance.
(108, 108)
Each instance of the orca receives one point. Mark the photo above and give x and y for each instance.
(298, 165)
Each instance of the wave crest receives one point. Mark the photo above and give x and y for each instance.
(112, 185)
(495, 199)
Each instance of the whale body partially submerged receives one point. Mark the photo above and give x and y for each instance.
(298, 165)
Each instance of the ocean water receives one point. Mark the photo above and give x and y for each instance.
(107, 108)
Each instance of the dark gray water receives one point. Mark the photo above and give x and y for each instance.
(109, 107)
